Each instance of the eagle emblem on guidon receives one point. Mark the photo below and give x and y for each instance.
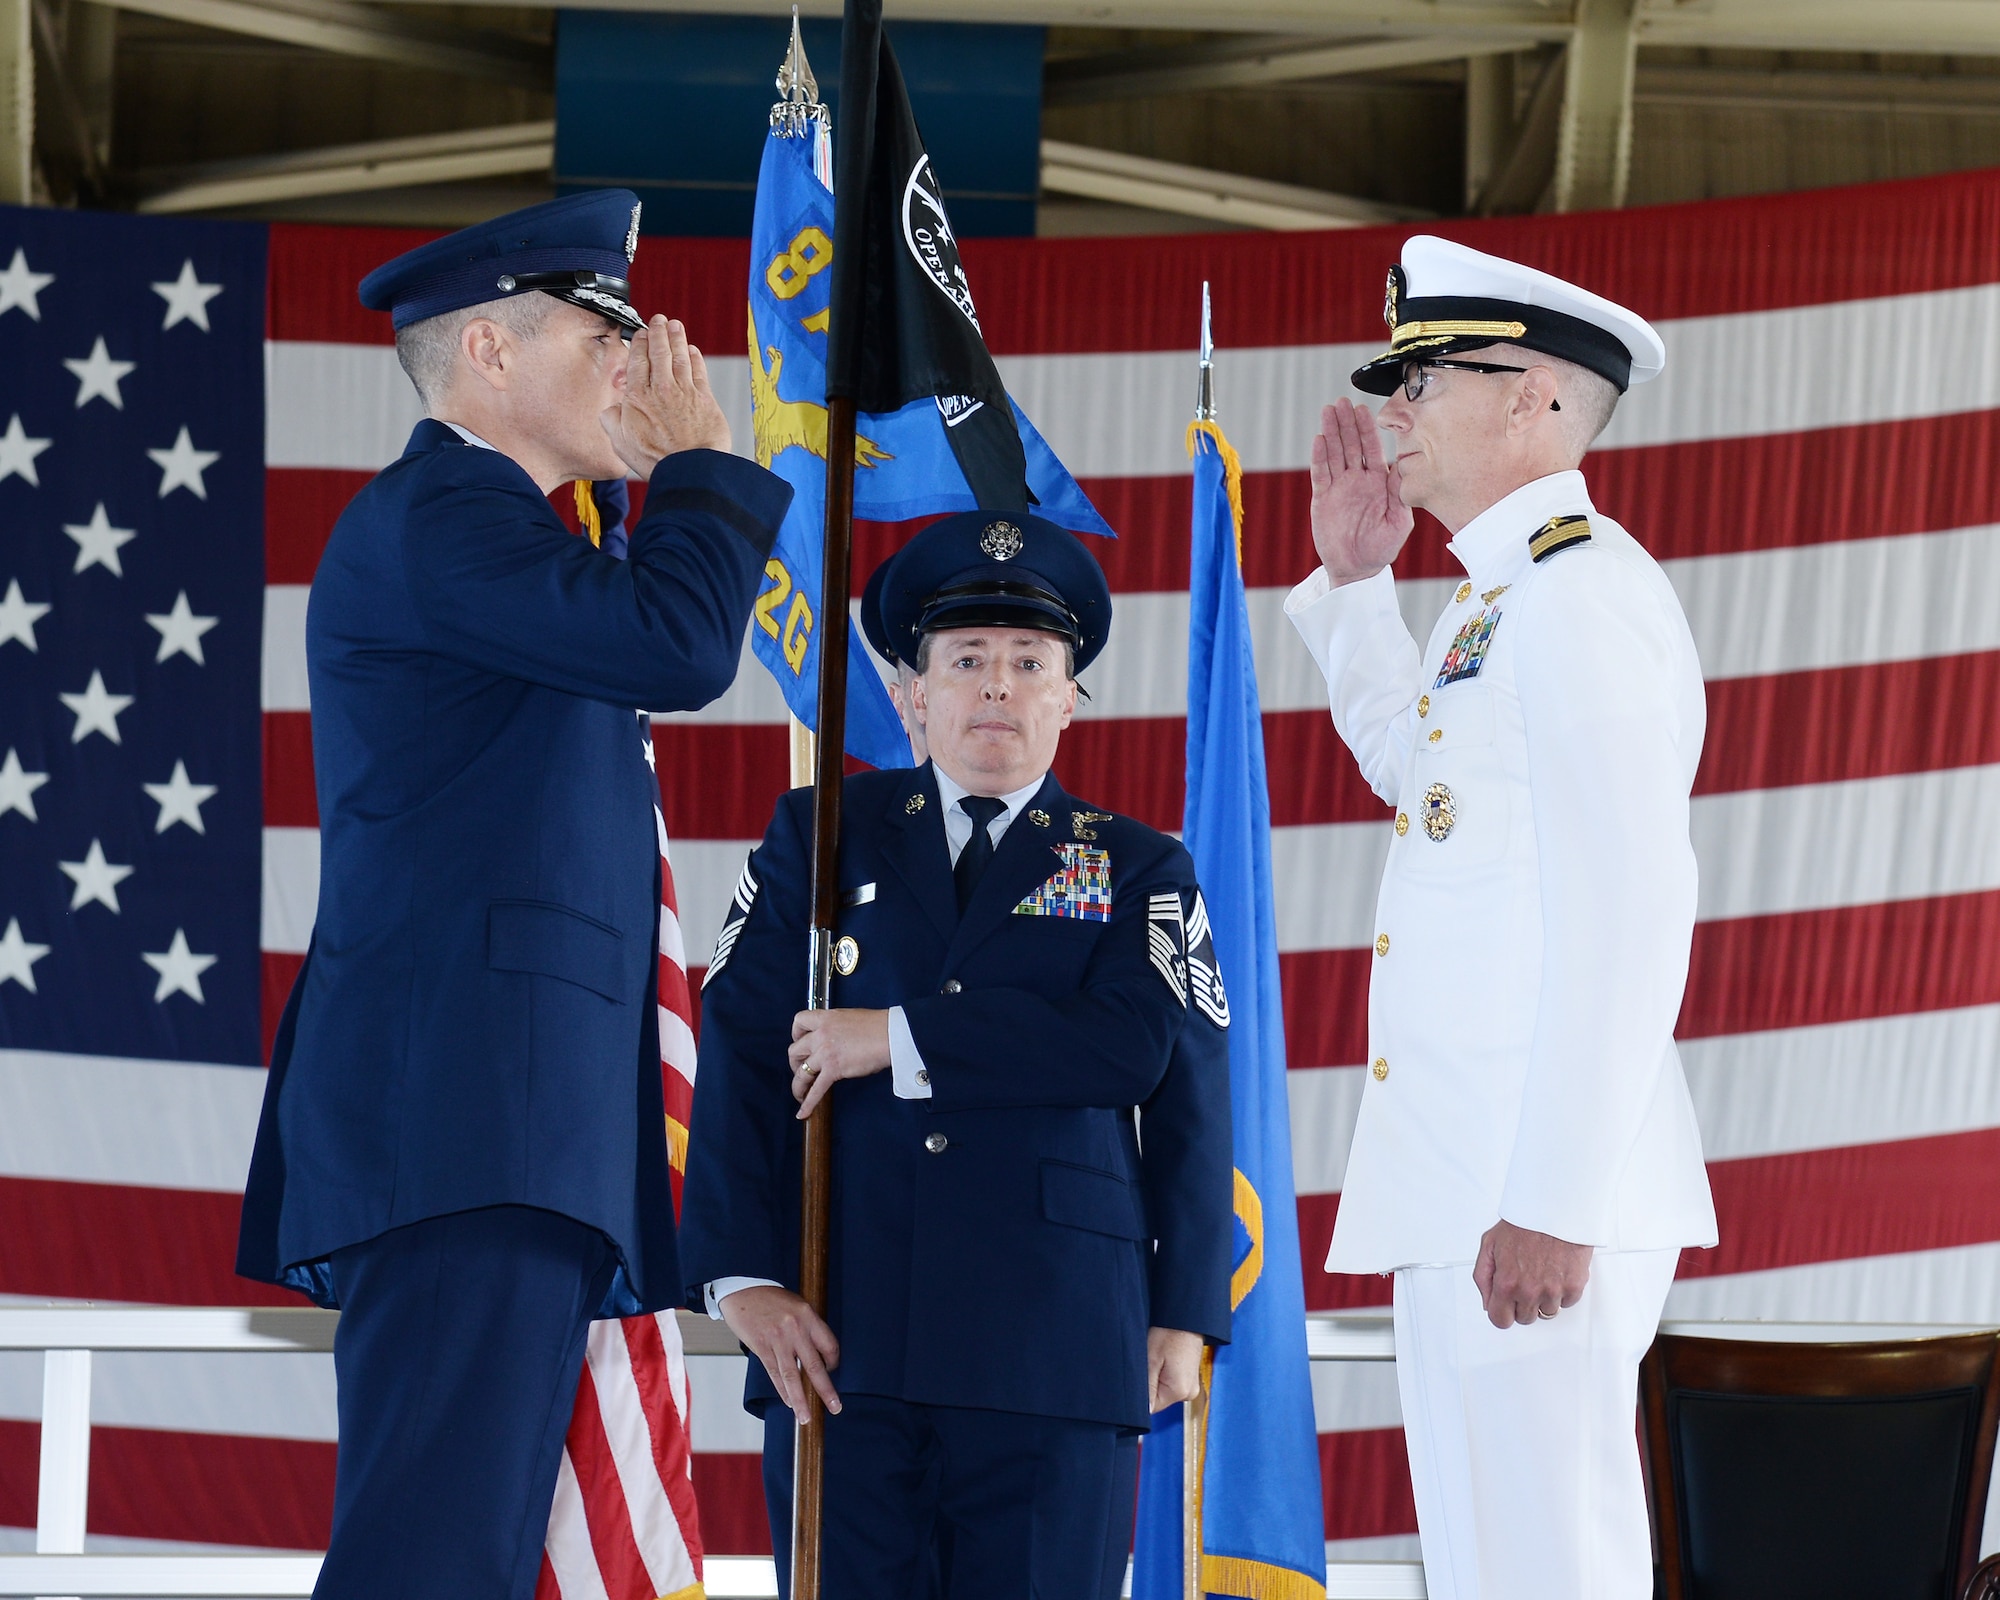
(1001, 541)
(777, 424)
(932, 245)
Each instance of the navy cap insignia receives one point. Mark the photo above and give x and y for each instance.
(1558, 534)
(632, 233)
(1001, 541)
(1039, 818)
(1392, 296)
(1440, 812)
(913, 805)
(846, 955)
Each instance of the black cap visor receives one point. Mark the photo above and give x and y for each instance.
(1000, 605)
(1451, 325)
(593, 291)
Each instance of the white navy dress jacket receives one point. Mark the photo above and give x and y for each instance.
(1535, 915)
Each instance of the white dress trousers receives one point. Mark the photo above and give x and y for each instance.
(1524, 1451)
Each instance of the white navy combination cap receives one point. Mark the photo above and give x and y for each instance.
(1444, 299)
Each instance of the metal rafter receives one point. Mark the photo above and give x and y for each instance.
(17, 103)
(344, 27)
(1594, 140)
(1237, 64)
(1076, 169)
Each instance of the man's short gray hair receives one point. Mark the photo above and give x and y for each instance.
(428, 350)
(1588, 399)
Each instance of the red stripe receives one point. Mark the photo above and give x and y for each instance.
(720, 780)
(1805, 968)
(1364, 1482)
(1326, 1006)
(605, 1516)
(1332, 1291)
(281, 971)
(666, 1426)
(301, 505)
(730, 1487)
(1052, 295)
(150, 1483)
(1845, 723)
(106, 1241)
(1863, 1200)
(289, 797)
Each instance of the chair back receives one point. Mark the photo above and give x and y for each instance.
(1823, 1470)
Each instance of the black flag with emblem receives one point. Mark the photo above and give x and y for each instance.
(904, 326)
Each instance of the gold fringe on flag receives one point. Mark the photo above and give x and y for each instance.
(593, 523)
(1257, 1580)
(1232, 469)
(677, 1146)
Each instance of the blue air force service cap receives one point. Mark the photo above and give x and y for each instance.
(578, 248)
(1444, 299)
(872, 626)
(992, 568)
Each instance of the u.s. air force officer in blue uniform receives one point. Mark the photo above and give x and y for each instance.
(462, 1143)
(1019, 1008)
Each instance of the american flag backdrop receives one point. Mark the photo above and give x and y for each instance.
(1819, 472)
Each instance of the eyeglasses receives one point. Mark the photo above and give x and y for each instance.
(1416, 375)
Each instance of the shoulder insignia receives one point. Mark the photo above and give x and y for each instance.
(1166, 941)
(1558, 534)
(1204, 975)
(732, 927)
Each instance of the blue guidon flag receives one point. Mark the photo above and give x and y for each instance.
(131, 618)
(909, 462)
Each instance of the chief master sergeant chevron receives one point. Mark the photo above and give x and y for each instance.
(1025, 999)
(463, 1142)
(1526, 1159)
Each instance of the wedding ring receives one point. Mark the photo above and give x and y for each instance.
(806, 1066)
(1544, 1313)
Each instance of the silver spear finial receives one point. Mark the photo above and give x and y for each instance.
(1204, 396)
(798, 90)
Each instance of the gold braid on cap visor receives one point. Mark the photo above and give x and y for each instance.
(1430, 333)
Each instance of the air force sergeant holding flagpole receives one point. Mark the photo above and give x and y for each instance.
(1526, 1160)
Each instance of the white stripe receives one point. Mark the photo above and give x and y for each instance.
(1846, 1083)
(670, 937)
(655, 1528)
(1841, 844)
(1960, 1285)
(1847, 604)
(291, 889)
(717, 1422)
(569, 1548)
(676, 1044)
(1349, 1395)
(1124, 413)
(261, 1396)
(1325, 1103)
(115, 1119)
(284, 677)
(705, 874)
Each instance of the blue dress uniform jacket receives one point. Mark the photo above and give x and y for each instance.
(475, 1023)
(1002, 1245)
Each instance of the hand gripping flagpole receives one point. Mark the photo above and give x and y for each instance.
(861, 28)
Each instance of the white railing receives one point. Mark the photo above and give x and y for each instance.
(68, 1336)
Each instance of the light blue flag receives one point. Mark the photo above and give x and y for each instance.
(904, 465)
(1262, 1523)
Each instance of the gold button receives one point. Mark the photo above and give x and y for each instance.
(1464, 593)
(1424, 706)
(1380, 1069)
(1402, 823)
(1436, 734)
(1381, 944)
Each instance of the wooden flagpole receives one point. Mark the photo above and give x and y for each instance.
(809, 1445)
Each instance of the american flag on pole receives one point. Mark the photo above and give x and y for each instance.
(1819, 474)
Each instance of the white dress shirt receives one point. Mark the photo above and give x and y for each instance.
(906, 1063)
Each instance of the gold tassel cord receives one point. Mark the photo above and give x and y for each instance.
(1232, 470)
(587, 513)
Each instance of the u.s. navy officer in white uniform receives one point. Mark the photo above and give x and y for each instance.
(1526, 1159)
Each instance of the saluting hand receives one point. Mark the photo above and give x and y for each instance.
(1359, 520)
(830, 1045)
(667, 405)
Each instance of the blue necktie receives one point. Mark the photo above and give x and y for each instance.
(978, 852)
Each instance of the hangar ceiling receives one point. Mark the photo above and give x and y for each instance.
(1156, 115)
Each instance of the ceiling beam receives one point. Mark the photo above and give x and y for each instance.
(1251, 62)
(17, 103)
(1942, 94)
(1594, 137)
(360, 168)
(1075, 169)
(344, 27)
(1523, 174)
